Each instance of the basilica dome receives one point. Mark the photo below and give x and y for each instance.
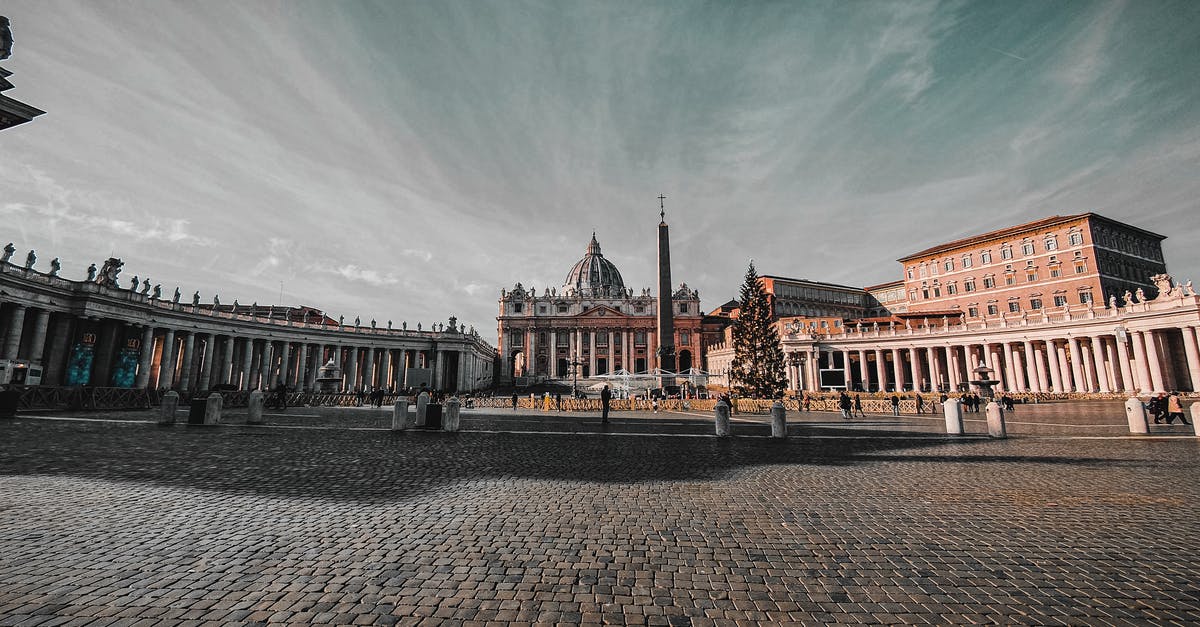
(594, 275)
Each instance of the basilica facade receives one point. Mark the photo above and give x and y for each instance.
(592, 325)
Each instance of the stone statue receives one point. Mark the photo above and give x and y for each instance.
(145, 287)
(357, 322)
(1127, 297)
(462, 328)
(404, 325)
(472, 329)
(453, 323)
(389, 325)
(372, 323)
(30, 259)
(196, 299)
(1162, 282)
(175, 298)
(341, 320)
(418, 326)
(134, 283)
(8, 252)
(55, 266)
(216, 300)
(1187, 289)
(91, 273)
(108, 273)
(1140, 294)
(1112, 301)
(6, 38)
(156, 293)
(235, 305)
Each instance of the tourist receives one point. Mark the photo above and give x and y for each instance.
(514, 400)
(545, 401)
(920, 404)
(858, 410)
(605, 399)
(1175, 409)
(1158, 407)
(895, 405)
(844, 404)
(807, 402)
(558, 400)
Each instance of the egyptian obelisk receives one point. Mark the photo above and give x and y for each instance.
(666, 320)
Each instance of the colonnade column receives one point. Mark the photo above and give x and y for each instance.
(368, 368)
(1031, 372)
(1077, 365)
(847, 373)
(1141, 368)
(931, 357)
(40, 326)
(591, 353)
(352, 369)
(954, 366)
(189, 353)
(1192, 350)
(266, 365)
(143, 373)
(915, 366)
(1056, 384)
(247, 363)
(897, 370)
(864, 370)
(166, 368)
(206, 366)
(16, 324)
(880, 370)
(1039, 360)
(1099, 365)
(1156, 374)
(1018, 367)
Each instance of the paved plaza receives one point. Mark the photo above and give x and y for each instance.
(325, 517)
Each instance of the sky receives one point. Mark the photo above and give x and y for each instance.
(406, 161)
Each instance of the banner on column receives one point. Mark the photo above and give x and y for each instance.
(79, 366)
(124, 370)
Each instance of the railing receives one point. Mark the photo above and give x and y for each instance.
(39, 397)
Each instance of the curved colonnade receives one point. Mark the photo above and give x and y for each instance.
(83, 333)
(1141, 347)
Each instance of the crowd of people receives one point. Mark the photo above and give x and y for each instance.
(1166, 408)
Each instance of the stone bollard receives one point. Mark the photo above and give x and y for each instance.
(254, 408)
(212, 413)
(722, 420)
(1135, 413)
(400, 415)
(952, 408)
(778, 420)
(1195, 411)
(995, 418)
(170, 404)
(450, 421)
(422, 407)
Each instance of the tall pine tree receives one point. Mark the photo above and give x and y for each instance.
(757, 368)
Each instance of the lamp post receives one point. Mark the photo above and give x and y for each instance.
(575, 365)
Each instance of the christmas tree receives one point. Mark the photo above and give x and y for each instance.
(757, 369)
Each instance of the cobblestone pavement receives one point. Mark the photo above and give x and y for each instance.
(120, 522)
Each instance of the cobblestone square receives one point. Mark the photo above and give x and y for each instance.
(121, 522)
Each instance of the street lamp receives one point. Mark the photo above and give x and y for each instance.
(575, 365)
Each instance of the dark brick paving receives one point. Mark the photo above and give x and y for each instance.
(124, 523)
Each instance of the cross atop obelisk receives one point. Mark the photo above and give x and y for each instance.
(662, 210)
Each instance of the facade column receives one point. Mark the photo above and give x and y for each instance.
(352, 369)
(226, 375)
(592, 352)
(1039, 360)
(1019, 370)
(1192, 350)
(880, 371)
(1098, 368)
(847, 372)
(897, 371)
(864, 370)
(914, 366)
(285, 359)
(1010, 370)
(1031, 368)
(1056, 381)
(1080, 382)
(1064, 365)
(368, 368)
(166, 369)
(189, 353)
(1132, 381)
(266, 365)
(16, 324)
(1141, 366)
(1152, 360)
(1114, 370)
(612, 352)
(531, 362)
(40, 326)
(247, 363)
(935, 379)
(439, 370)
(552, 360)
(305, 369)
(954, 367)
(206, 366)
(143, 373)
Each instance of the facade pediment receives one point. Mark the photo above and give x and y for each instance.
(601, 311)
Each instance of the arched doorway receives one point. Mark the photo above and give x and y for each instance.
(516, 364)
(685, 360)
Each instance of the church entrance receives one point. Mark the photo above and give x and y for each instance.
(562, 368)
(639, 365)
(685, 360)
(601, 366)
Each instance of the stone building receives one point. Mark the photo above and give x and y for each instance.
(591, 325)
(96, 333)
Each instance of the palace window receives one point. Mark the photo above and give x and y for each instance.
(985, 256)
(993, 310)
(937, 291)
(923, 271)
(683, 308)
(1006, 252)
(684, 338)
(639, 309)
(949, 265)
(1035, 303)
(1051, 243)
(1085, 298)
(602, 338)
(518, 307)
(516, 338)
(966, 261)
(1080, 267)
(564, 338)
(969, 285)
(1031, 274)
(639, 338)
(1075, 238)
(1055, 272)
(541, 309)
(951, 288)
(973, 312)
(1014, 306)
(1010, 279)
(1027, 248)
(910, 273)
(1060, 300)
(562, 309)
(989, 282)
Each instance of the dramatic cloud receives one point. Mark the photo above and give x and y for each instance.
(407, 160)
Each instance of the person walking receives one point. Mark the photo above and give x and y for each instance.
(514, 400)
(844, 404)
(895, 405)
(858, 405)
(558, 400)
(920, 404)
(807, 402)
(605, 401)
(1175, 409)
(1158, 407)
